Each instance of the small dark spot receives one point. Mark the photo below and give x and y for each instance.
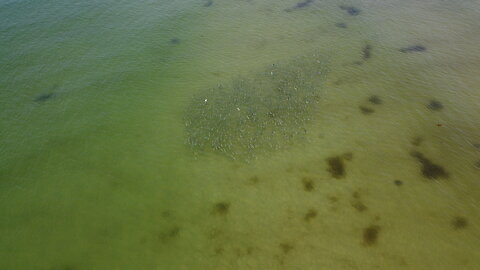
(359, 206)
(435, 105)
(311, 214)
(169, 234)
(429, 169)
(44, 97)
(459, 223)
(476, 145)
(208, 3)
(370, 235)
(439, 125)
(367, 52)
(341, 25)
(357, 203)
(352, 11)
(254, 180)
(333, 199)
(414, 48)
(299, 5)
(219, 250)
(308, 184)
(375, 100)
(285, 247)
(221, 208)
(397, 182)
(417, 141)
(348, 156)
(336, 167)
(166, 214)
(175, 41)
(366, 110)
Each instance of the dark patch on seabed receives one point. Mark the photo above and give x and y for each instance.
(268, 111)
(367, 52)
(308, 184)
(357, 202)
(311, 214)
(376, 100)
(336, 167)
(285, 247)
(429, 169)
(459, 223)
(370, 235)
(169, 234)
(221, 208)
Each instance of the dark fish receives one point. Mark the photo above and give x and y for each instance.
(352, 11)
(208, 3)
(341, 25)
(44, 97)
(435, 105)
(299, 5)
(414, 48)
(175, 41)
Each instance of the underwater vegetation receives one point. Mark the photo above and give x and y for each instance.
(268, 111)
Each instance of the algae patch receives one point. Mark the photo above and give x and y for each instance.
(266, 111)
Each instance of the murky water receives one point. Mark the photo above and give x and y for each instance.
(239, 134)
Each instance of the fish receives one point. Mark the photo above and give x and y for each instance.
(299, 5)
(414, 48)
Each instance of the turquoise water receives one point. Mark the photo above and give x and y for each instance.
(239, 135)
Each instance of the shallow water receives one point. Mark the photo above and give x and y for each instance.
(148, 134)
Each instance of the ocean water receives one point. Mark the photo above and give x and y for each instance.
(239, 134)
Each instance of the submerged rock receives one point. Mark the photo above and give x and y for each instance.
(266, 112)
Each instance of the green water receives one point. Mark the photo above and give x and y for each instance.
(149, 135)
